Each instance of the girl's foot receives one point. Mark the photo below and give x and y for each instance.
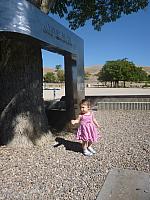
(87, 153)
(91, 150)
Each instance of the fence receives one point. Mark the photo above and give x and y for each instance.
(123, 105)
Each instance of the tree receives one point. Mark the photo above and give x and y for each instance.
(58, 67)
(60, 76)
(50, 77)
(22, 116)
(98, 11)
(139, 75)
(87, 75)
(109, 72)
(60, 73)
(121, 70)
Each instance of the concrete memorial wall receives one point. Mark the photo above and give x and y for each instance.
(23, 18)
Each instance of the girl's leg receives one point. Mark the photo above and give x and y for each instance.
(89, 143)
(84, 145)
(90, 147)
(85, 150)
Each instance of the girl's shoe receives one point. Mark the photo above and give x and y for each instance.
(91, 150)
(87, 153)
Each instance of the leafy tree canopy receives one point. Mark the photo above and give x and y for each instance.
(121, 70)
(60, 76)
(60, 73)
(98, 11)
(49, 77)
(58, 67)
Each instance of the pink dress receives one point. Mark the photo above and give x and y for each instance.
(87, 130)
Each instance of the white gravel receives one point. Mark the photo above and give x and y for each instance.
(63, 173)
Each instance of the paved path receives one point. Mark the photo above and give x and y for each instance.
(116, 91)
(49, 94)
(124, 184)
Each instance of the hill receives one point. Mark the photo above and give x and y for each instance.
(147, 69)
(94, 69)
(48, 69)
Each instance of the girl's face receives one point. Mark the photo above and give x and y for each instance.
(84, 108)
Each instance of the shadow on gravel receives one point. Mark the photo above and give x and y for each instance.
(69, 145)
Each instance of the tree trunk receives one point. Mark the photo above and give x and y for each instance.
(111, 84)
(124, 84)
(22, 116)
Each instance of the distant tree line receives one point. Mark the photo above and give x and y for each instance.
(55, 77)
(114, 71)
(121, 70)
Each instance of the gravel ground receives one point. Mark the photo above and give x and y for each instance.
(60, 171)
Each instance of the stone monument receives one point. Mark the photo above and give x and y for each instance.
(22, 21)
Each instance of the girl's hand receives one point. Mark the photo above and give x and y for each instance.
(73, 122)
(98, 126)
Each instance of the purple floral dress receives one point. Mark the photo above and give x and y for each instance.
(87, 130)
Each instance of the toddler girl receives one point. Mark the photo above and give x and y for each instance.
(87, 131)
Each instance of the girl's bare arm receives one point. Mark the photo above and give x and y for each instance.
(75, 121)
(95, 122)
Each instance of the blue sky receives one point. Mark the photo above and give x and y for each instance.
(128, 37)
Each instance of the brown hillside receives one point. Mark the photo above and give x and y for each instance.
(89, 69)
(48, 69)
(147, 69)
(93, 69)
(96, 68)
